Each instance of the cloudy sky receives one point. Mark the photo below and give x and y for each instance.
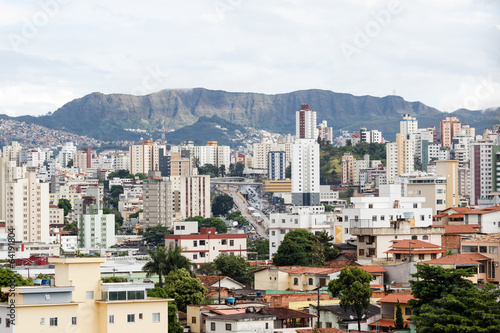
(444, 53)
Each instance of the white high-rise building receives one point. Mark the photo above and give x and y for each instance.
(145, 157)
(27, 208)
(481, 167)
(66, 154)
(408, 125)
(191, 196)
(12, 152)
(305, 160)
(325, 132)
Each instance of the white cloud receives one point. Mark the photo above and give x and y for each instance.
(432, 51)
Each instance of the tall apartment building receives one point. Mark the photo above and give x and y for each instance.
(11, 153)
(370, 136)
(391, 149)
(66, 153)
(450, 127)
(145, 157)
(347, 165)
(95, 229)
(261, 153)
(157, 202)
(191, 196)
(27, 208)
(276, 165)
(305, 160)
(449, 170)
(83, 159)
(305, 123)
(481, 166)
(408, 125)
(325, 132)
(122, 160)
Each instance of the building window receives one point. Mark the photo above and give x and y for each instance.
(295, 281)
(140, 315)
(415, 205)
(439, 201)
(493, 249)
(223, 242)
(231, 242)
(267, 326)
(374, 218)
(195, 243)
(111, 319)
(425, 237)
(212, 326)
(195, 256)
(421, 256)
(89, 295)
(273, 233)
(422, 217)
(73, 320)
(53, 321)
(408, 311)
(228, 327)
(370, 205)
(414, 237)
(156, 317)
(382, 217)
(483, 249)
(311, 281)
(42, 321)
(131, 318)
(202, 242)
(361, 252)
(193, 320)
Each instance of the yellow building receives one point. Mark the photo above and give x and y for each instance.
(79, 302)
(278, 186)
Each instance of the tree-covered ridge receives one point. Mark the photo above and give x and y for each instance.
(331, 159)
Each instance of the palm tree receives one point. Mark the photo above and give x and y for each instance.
(157, 264)
(175, 260)
(164, 261)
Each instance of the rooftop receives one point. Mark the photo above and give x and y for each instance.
(490, 238)
(394, 298)
(458, 229)
(310, 270)
(285, 313)
(414, 243)
(460, 259)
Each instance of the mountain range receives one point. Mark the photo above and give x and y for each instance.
(106, 116)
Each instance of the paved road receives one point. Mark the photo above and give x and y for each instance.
(243, 205)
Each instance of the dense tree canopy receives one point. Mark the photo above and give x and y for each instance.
(155, 236)
(353, 285)
(6, 278)
(213, 222)
(222, 204)
(235, 267)
(185, 289)
(66, 205)
(261, 246)
(327, 241)
(118, 174)
(447, 302)
(300, 247)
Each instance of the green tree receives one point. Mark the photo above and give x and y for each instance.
(399, 317)
(222, 170)
(288, 172)
(155, 235)
(233, 215)
(261, 246)
(235, 267)
(300, 247)
(157, 265)
(184, 288)
(214, 222)
(115, 191)
(175, 260)
(222, 204)
(435, 282)
(327, 241)
(118, 174)
(135, 215)
(207, 269)
(208, 169)
(66, 205)
(72, 228)
(238, 169)
(114, 279)
(141, 176)
(195, 218)
(7, 277)
(353, 286)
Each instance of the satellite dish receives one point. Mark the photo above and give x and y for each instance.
(352, 318)
(235, 223)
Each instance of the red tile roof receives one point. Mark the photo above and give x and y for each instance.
(373, 269)
(458, 229)
(458, 259)
(415, 244)
(394, 298)
(483, 211)
(285, 313)
(208, 280)
(310, 270)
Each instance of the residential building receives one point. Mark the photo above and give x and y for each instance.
(95, 229)
(56, 215)
(276, 165)
(414, 250)
(482, 265)
(209, 154)
(374, 242)
(12, 152)
(432, 188)
(388, 308)
(191, 196)
(66, 154)
(450, 127)
(305, 123)
(292, 278)
(487, 246)
(27, 208)
(408, 125)
(325, 133)
(145, 157)
(79, 301)
(204, 247)
(157, 202)
(333, 316)
(481, 166)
